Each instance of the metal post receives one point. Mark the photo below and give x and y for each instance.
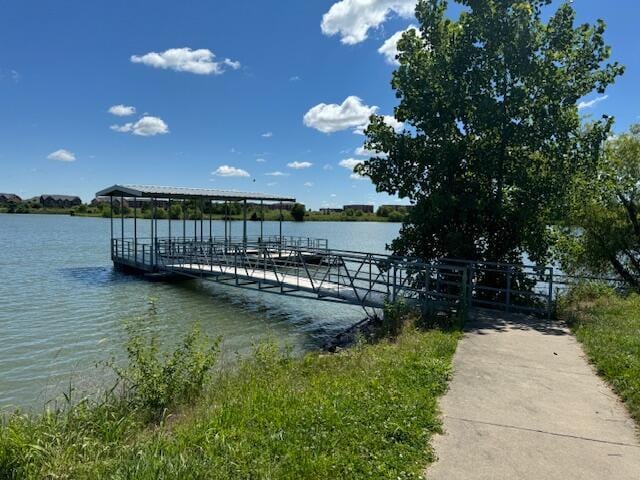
(135, 229)
(261, 218)
(393, 295)
(280, 223)
(508, 299)
(226, 216)
(184, 224)
(153, 214)
(210, 229)
(195, 221)
(111, 220)
(244, 223)
(122, 223)
(550, 299)
(201, 220)
(169, 217)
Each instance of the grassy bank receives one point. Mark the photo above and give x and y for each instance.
(608, 326)
(366, 412)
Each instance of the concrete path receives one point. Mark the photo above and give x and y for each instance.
(525, 404)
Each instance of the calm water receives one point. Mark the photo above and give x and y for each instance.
(63, 309)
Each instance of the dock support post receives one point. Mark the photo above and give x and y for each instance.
(280, 227)
(169, 217)
(135, 229)
(244, 223)
(201, 220)
(195, 221)
(226, 217)
(184, 227)
(261, 218)
(210, 228)
(152, 252)
(111, 220)
(122, 223)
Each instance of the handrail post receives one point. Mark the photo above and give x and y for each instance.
(393, 296)
(550, 298)
(508, 299)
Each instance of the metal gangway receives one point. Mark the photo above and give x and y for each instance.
(307, 267)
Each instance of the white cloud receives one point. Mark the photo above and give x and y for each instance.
(393, 123)
(295, 78)
(349, 163)
(62, 155)
(229, 171)
(233, 64)
(271, 184)
(267, 135)
(327, 167)
(333, 195)
(591, 103)
(122, 110)
(308, 184)
(200, 62)
(352, 19)
(145, 127)
(260, 160)
(356, 176)
(389, 48)
(277, 174)
(329, 118)
(298, 165)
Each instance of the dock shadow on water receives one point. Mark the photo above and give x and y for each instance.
(100, 276)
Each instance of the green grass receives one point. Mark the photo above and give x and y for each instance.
(367, 412)
(608, 326)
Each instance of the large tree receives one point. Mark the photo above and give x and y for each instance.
(601, 235)
(492, 131)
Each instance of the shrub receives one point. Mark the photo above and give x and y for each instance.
(153, 382)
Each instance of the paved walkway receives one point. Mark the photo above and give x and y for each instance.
(525, 404)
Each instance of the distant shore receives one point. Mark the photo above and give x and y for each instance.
(270, 215)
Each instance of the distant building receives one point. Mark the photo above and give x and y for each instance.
(328, 211)
(9, 197)
(59, 201)
(359, 208)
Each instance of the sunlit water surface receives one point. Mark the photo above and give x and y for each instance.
(63, 309)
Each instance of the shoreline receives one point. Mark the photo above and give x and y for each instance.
(287, 217)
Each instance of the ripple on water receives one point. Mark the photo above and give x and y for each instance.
(63, 308)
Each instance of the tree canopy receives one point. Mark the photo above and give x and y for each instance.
(601, 235)
(297, 212)
(492, 132)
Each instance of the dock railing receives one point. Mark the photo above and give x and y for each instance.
(306, 265)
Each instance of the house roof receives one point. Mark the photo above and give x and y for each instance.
(11, 196)
(59, 197)
(151, 191)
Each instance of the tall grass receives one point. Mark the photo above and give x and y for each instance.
(366, 412)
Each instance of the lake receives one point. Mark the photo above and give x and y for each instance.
(63, 309)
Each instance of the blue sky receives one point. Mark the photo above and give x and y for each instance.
(201, 120)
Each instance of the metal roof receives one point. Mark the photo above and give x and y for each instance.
(151, 191)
